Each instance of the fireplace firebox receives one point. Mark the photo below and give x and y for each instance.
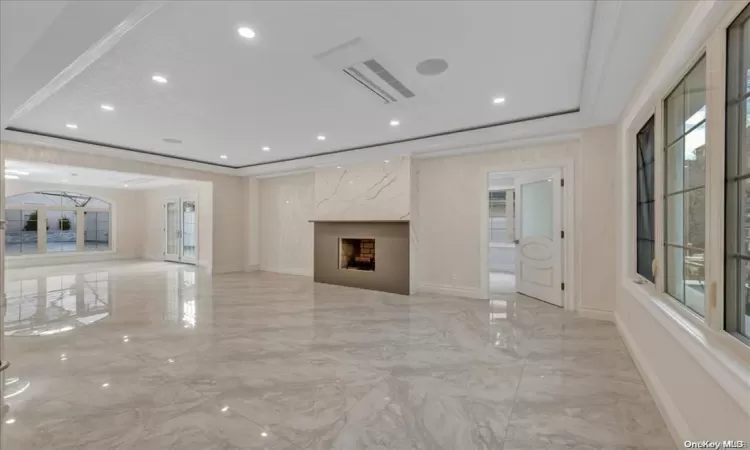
(357, 254)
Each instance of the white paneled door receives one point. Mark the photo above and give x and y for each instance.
(539, 236)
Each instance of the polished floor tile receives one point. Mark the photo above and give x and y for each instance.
(144, 355)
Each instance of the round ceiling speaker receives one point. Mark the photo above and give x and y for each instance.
(432, 67)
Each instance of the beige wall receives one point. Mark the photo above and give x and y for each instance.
(126, 232)
(450, 193)
(286, 236)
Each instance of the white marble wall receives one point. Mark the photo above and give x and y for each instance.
(378, 191)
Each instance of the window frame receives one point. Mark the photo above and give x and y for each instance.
(737, 92)
(666, 144)
(636, 238)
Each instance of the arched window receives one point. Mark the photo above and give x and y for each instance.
(56, 221)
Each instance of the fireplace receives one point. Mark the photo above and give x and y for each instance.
(345, 251)
(357, 254)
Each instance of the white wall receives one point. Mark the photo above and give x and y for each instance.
(126, 229)
(698, 376)
(451, 193)
(286, 235)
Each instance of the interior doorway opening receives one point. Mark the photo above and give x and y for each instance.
(525, 217)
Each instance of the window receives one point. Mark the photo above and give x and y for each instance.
(737, 270)
(49, 222)
(645, 238)
(685, 189)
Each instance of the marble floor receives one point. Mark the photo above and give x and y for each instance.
(156, 356)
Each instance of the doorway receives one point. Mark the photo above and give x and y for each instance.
(180, 231)
(525, 245)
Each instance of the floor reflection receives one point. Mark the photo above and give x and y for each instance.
(44, 306)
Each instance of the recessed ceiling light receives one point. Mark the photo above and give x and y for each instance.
(321, 137)
(105, 385)
(338, 167)
(124, 185)
(11, 177)
(72, 126)
(225, 408)
(16, 172)
(223, 156)
(395, 123)
(387, 160)
(159, 79)
(10, 421)
(108, 107)
(498, 100)
(264, 434)
(266, 149)
(246, 32)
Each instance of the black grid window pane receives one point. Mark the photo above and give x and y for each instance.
(737, 193)
(645, 234)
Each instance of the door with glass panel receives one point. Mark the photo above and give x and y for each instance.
(180, 231)
(538, 237)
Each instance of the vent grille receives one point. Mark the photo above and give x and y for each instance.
(137, 181)
(373, 76)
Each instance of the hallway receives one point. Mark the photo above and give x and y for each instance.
(154, 355)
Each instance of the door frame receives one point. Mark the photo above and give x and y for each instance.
(569, 208)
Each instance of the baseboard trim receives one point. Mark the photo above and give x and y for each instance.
(454, 291)
(298, 272)
(597, 314)
(252, 268)
(675, 421)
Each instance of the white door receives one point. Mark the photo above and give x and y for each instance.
(172, 230)
(539, 237)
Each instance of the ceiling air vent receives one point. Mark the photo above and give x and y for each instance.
(358, 61)
(372, 75)
(137, 181)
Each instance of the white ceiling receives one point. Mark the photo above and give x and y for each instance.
(231, 96)
(82, 176)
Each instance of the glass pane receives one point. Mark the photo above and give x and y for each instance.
(675, 113)
(172, 225)
(743, 302)
(695, 96)
(12, 214)
(675, 219)
(61, 231)
(744, 238)
(536, 209)
(675, 273)
(746, 57)
(695, 281)
(97, 203)
(645, 221)
(695, 157)
(695, 219)
(745, 137)
(675, 167)
(645, 259)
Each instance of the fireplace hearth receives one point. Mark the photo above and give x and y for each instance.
(357, 254)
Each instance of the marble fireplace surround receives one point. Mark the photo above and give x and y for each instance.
(391, 272)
